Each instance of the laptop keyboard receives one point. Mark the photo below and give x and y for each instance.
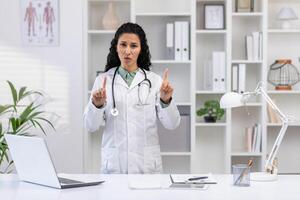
(68, 181)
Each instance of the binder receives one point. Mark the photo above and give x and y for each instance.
(185, 40)
(218, 62)
(242, 78)
(222, 71)
(255, 36)
(249, 47)
(178, 40)
(235, 78)
(170, 41)
(216, 71)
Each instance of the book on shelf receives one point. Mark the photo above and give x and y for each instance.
(253, 137)
(253, 44)
(272, 115)
(238, 78)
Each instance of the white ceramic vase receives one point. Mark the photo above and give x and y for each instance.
(110, 20)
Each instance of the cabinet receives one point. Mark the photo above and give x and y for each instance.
(197, 146)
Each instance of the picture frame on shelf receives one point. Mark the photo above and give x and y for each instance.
(214, 16)
(244, 5)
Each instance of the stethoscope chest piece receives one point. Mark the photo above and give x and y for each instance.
(114, 112)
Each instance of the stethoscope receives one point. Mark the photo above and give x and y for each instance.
(114, 111)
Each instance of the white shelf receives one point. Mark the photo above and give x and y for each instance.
(217, 124)
(171, 61)
(247, 14)
(183, 103)
(279, 125)
(209, 92)
(101, 31)
(247, 61)
(284, 92)
(283, 31)
(211, 31)
(211, 1)
(162, 14)
(175, 153)
(108, 0)
(246, 154)
(255, 104)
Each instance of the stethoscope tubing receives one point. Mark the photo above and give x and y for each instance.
(114, 110)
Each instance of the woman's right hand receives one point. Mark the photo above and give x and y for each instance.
(99, 96)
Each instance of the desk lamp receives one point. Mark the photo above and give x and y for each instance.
(286, 14)
(232, 99)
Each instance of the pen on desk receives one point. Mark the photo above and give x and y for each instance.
(197, 178)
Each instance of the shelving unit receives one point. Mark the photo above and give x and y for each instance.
(205, 147)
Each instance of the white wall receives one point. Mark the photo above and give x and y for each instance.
(54, 70)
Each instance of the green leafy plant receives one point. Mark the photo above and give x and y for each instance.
(20, 119)
(211, 109)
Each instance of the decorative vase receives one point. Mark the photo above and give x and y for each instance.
(210, 119)
(110, 19)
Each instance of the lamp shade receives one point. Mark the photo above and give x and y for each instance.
(287, 13)
(231, 99)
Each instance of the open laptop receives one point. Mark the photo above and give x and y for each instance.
(33, 163)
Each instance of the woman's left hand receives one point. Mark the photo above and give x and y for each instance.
(166, 90)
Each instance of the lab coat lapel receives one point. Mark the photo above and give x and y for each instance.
(139, 77)
(118, 80)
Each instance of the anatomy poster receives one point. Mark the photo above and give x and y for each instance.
(40, 22)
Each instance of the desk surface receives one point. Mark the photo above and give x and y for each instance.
(116, 187)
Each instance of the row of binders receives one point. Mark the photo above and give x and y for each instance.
(214, 72)
(238, 78)
(254, 138)
(254, 46)
(178, 40)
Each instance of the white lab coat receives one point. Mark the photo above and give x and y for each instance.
(130, 141)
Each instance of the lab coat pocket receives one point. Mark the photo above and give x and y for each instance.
(152, 159)
(110, 161)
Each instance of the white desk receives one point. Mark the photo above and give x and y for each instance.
(116, 187)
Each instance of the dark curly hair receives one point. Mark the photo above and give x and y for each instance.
(143, 60)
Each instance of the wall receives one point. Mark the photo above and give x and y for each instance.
(57, 71)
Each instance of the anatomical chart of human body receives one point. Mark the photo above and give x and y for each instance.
(40, 24)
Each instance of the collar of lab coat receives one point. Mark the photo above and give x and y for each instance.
(136, 80)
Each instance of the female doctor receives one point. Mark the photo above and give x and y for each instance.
(129, 99)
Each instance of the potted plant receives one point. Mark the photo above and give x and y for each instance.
(20, 118)
(211, 111)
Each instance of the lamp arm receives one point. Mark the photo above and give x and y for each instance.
(285, 123)
(275, 147)
(263, 93)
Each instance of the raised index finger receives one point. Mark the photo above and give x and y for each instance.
(104, 83)
(165, 76)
